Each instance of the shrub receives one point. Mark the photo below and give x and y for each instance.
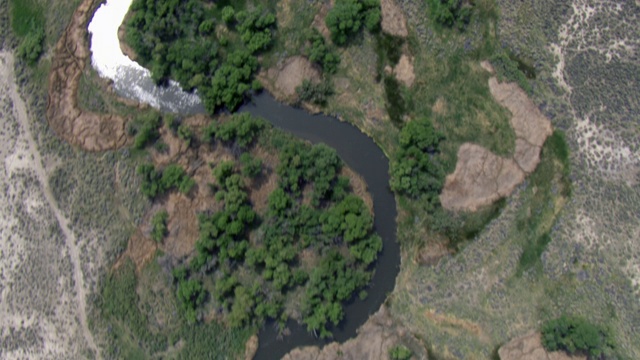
(450, 12)
(159, 226)
(31, 46)
(320, 53)
(347, 17)
(400, 352)
(576, 335)
(415, 171)
(316, 93)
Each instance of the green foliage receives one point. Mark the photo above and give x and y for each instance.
(576, 335)
(346, 18)
(316, 93)
(156, 183)
(25, 15)
(508, 69)
(251, 167)
(185, 133)
(120, 303)
(415, 171)
(31, 46)
(330, 283)
(450, 13)
(400, 352)
(146, 129)
(242, 130)
(178, 40)
(228, 14)
(190, 295)
(159, 225)
(320, 53)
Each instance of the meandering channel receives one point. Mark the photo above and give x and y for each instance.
(358, 150)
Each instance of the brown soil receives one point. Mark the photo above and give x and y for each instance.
(359, 187)
(251, 347)
(140, 250)
(374, 341)
(318, 20)
(529, 347)
(404, 70)
(453, 324)
(482, 177)
(286, 77)
(122, 32)
(90, 131)
(440, 106)
(393, 21)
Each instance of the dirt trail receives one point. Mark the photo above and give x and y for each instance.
(70, 239)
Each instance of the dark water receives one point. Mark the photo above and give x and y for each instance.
(368, 160)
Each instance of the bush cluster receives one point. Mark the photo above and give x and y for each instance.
(178, 40)
(155, 183)
(450, 13)
(415, 171)
(576, 335)
(319, 52)
(347, 17)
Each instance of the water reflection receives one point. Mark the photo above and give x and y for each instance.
(130, 79)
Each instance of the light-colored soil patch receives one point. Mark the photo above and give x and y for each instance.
(482, 177)
(287, 76)
(359, 187)
(318, 20)
(393, 21)
(90, 131)
(529, 347)
(404, 71)
(374, 341)
(43, 308)
(440, 106)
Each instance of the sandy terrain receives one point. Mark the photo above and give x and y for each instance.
(42, 302)
(482, 177)
(286, 77)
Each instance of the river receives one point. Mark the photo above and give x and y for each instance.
(357, 150)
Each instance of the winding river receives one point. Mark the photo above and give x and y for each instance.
(357, 150)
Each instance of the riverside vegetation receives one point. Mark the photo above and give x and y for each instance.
(448, 69)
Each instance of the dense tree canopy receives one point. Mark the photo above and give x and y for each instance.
(347, 17)
(178, 40)
(415, 170)
(576, 335)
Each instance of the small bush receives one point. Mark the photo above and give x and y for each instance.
(31, 46)
(316, 93)
(159, 226)
(400, 352)
(450, 13)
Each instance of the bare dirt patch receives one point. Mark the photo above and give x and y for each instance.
(404, 70)
(286, 77)
(393, 20)
(482, 177)
(374, 341)
(318, 20)
(529, 347)
(90, 131)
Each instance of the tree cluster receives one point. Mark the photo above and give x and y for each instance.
(32, 45)
(155, 183)
(178, 40)
(319, 52)
(145, 128)
(316, 93)
(347, 17)
(253, 278)
(415, 171)
(576, 335)
(241, 130)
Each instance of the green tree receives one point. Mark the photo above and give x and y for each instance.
(190, 294)
(576, 335)
(400, 352)
(347, 17)
(31, 46)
